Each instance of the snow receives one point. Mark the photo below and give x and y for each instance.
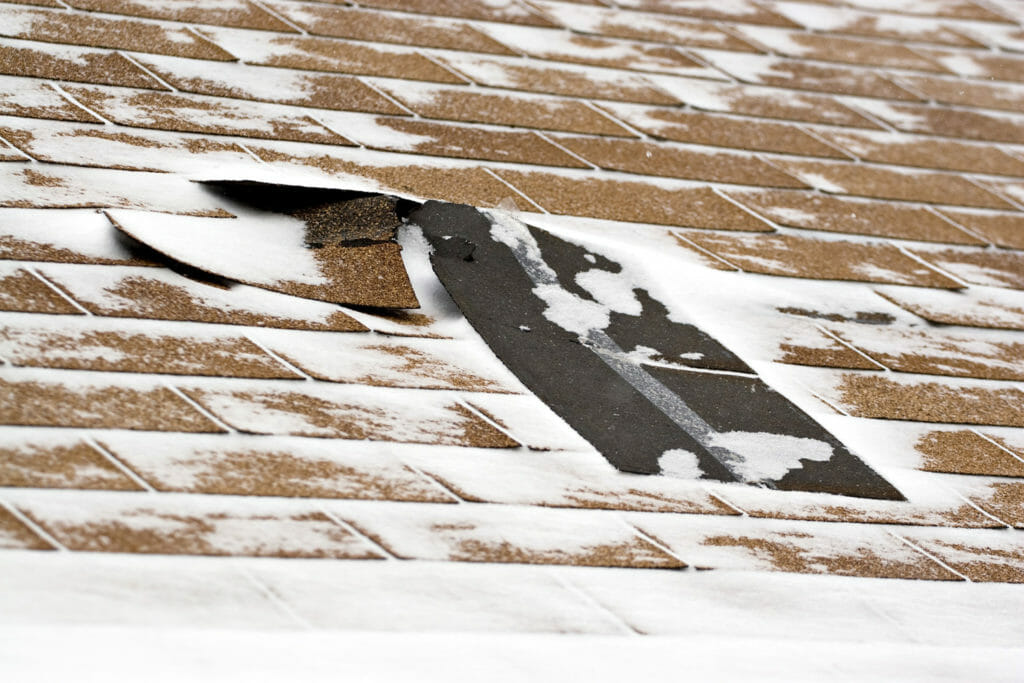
(266, 249)
(680, 463)
(788, 452)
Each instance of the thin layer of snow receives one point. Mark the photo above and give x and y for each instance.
(260, 248)
(788, 453)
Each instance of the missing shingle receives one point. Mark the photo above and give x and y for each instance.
(619, 373)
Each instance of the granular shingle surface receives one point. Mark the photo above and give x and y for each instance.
(240, 410)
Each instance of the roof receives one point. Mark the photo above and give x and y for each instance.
(253, 383)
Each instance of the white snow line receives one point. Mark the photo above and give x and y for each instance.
(616, 120)
(28, 157)
(1019, 206)
(829, 333)
(881, 123)
(33, 527)
(116, 462)
(900, 83)
(357, 533)
(996, 443)
(928, 555)
(491, 421)
(568, 151)
(514, 189)
(203, 411)
(450, 69)
(972, 504)
(78, 104)
(383, 93)
(59, 291)
(148, 71)
(961, 228)
(809, 131)
(711, 66)
(276, 599)
(293, 368)
(250, 152)
(834, 406)
(329, 129)
(721, 498)
(656, 543)
(64, 4)
(704, 251)
(569, 585)
(279, 16)
(931, 266)
(434, 481)
(746, 208)
(533, 10)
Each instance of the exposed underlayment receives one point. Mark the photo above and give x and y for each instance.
(590, 341)
(770, 400)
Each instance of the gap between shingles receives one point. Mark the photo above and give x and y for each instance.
(970, 503)
(568, 151)
(280, 17)
(704, 251)
(493, 423)
(383, 93)
(513, 188)
(927, 554)
(116, 462)
(60, 292)
(202, 411)
(32, 526)
(996, 443)
(19, 150)
(566, 583)
(435, 481)
(275, 599)
(619, 122)
(828, 333)
(931, 266)
(993, 190)
(352, 529)
(60, 91)
(728, 503)
(289, 366)
(810, 132)
(659, 545)
(961, 228)
(147, 71)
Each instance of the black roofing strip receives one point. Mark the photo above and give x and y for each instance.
(630, 411)
(496, 295)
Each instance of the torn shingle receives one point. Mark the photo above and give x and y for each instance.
(315, 244)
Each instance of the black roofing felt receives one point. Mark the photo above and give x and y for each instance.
(629, 411)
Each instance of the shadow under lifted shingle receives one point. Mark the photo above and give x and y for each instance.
(326, 245)
(617, 373)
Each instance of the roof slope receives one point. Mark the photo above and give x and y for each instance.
(833, 189)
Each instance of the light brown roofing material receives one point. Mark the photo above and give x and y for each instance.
(834, 190)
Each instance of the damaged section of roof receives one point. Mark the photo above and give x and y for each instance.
(592, 343)
(773, 262)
